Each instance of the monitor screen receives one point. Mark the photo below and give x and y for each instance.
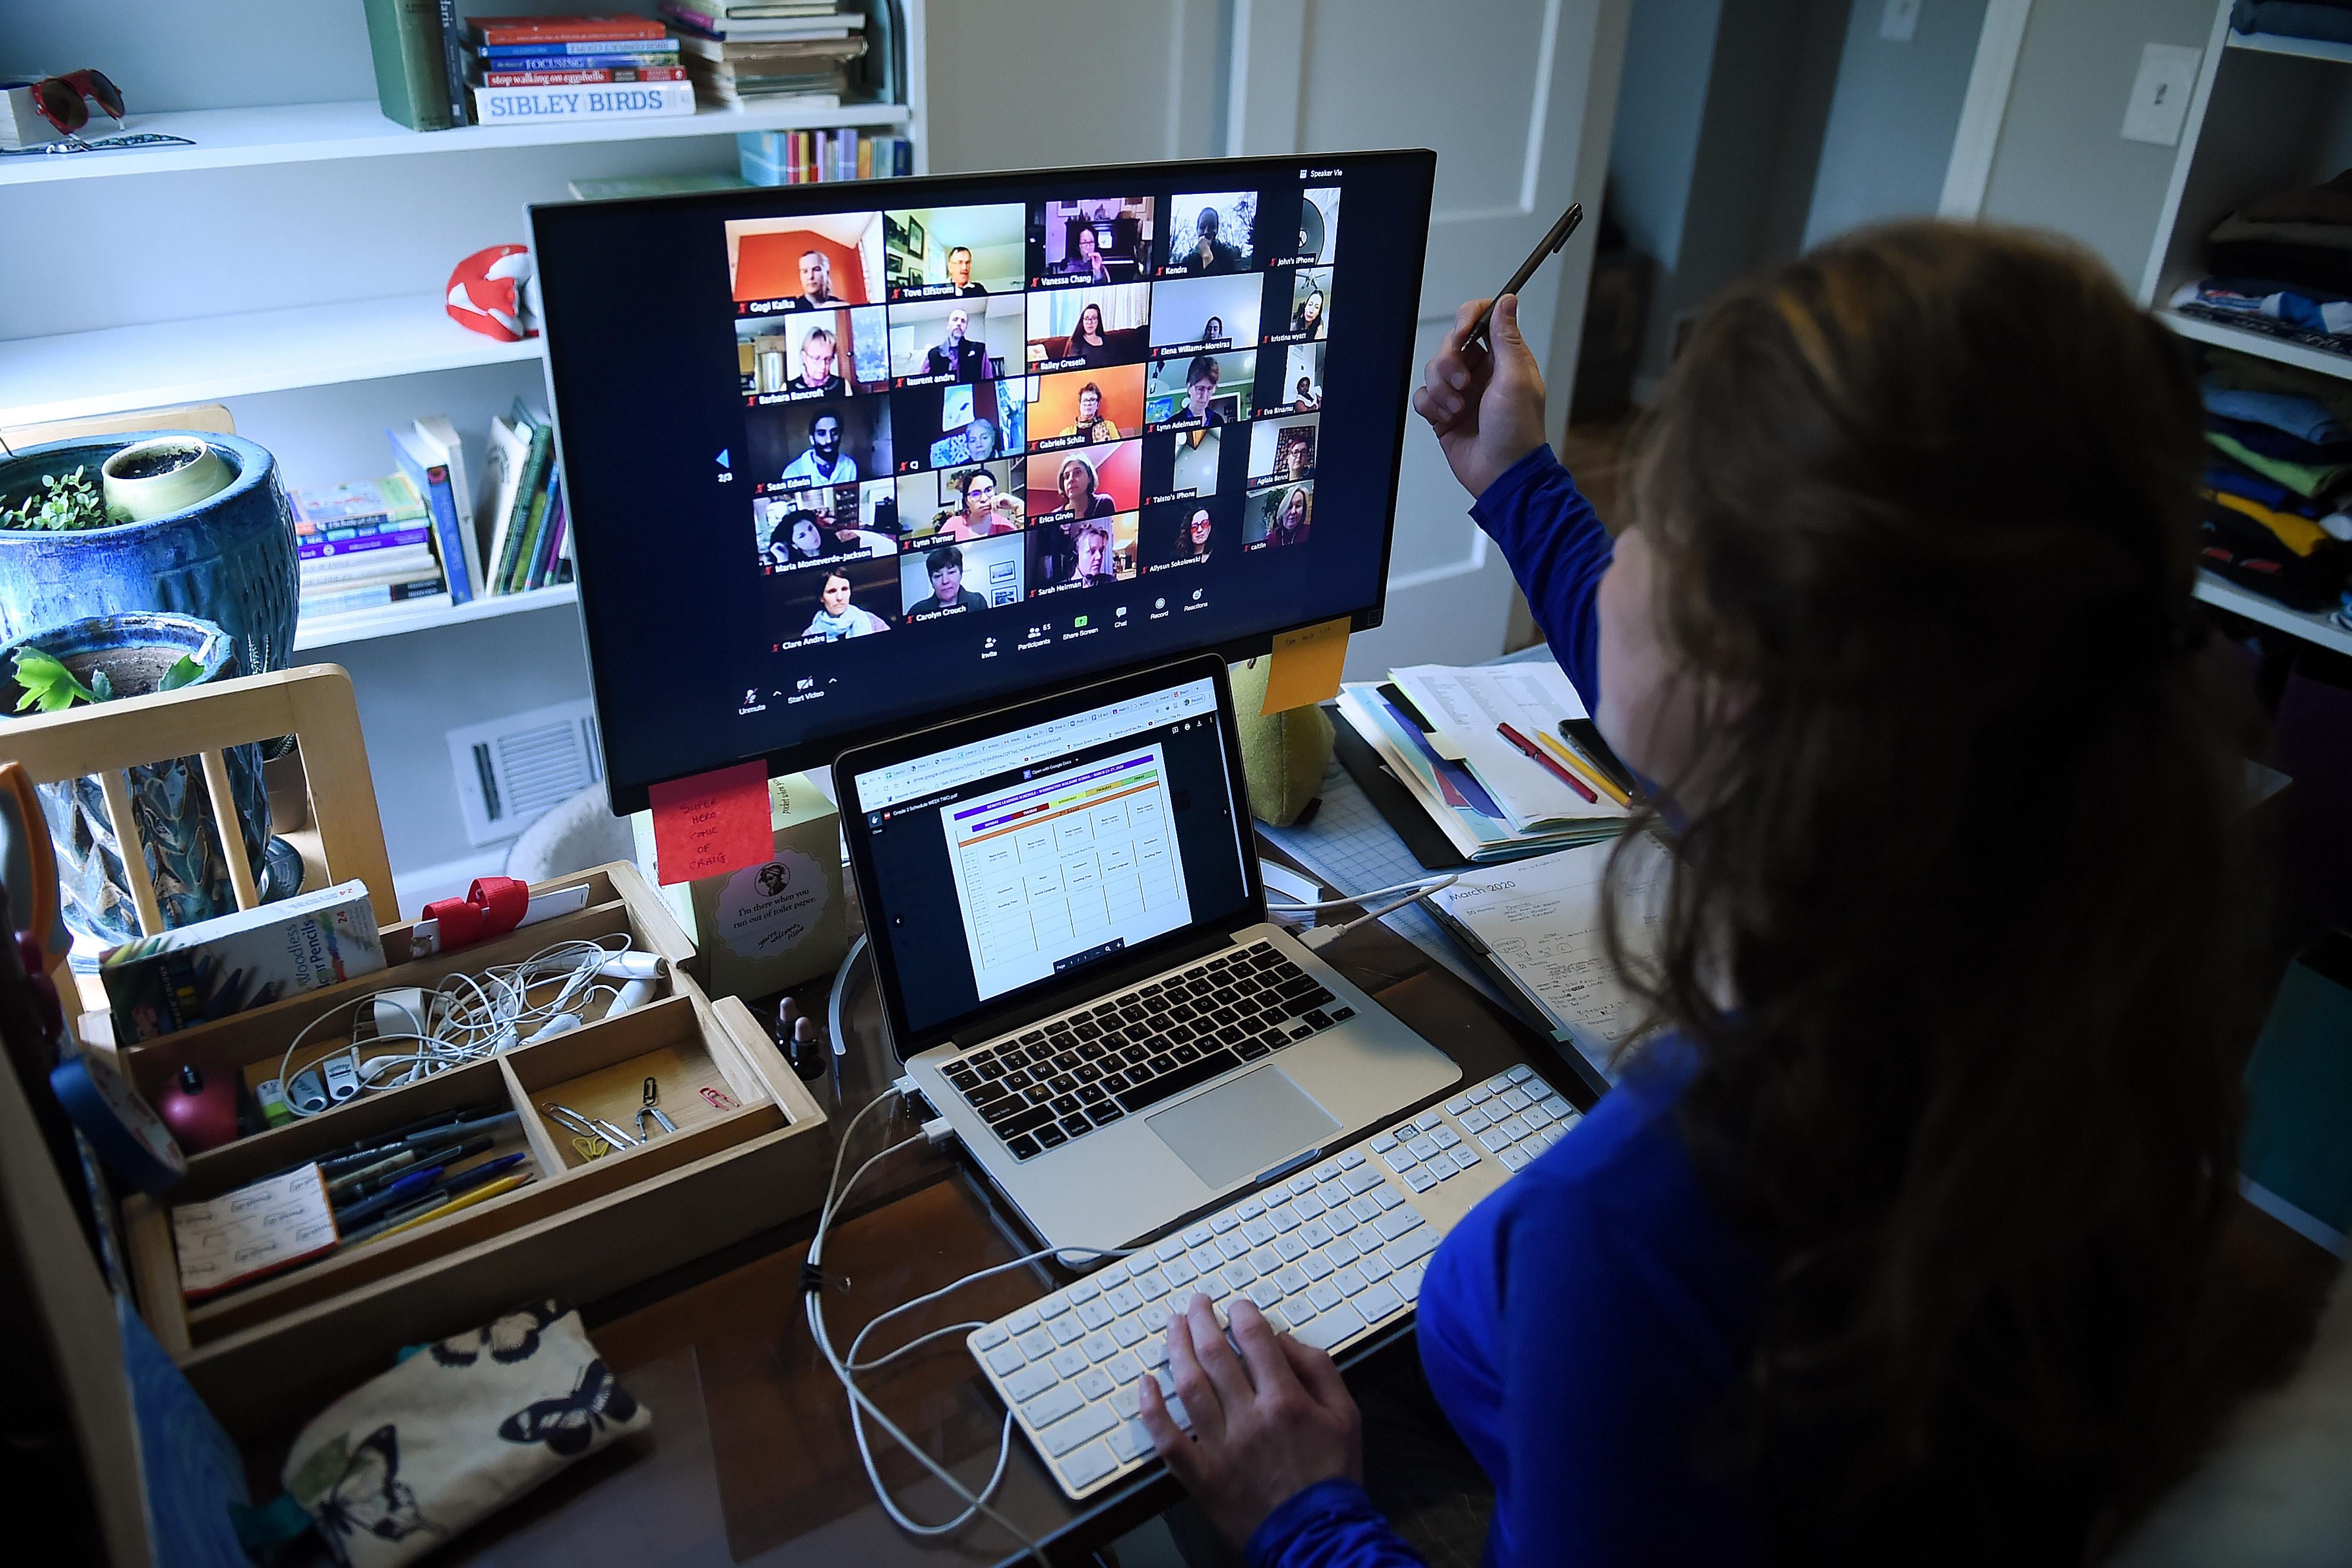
(1010, 856)
(841, 460)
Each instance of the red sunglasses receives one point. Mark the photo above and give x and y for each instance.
(60, 98)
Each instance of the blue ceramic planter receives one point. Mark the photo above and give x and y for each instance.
(173, 809)
(229, 559)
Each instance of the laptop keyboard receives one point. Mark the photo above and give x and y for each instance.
(1090, 1068)
(1332, 1254)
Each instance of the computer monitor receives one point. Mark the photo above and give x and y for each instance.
(841, 460)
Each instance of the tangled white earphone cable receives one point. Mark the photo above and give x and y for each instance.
(469, 1018)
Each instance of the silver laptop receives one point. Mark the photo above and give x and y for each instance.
(1076, 968)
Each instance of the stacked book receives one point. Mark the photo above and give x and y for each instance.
(768, 51)
(529, 533)
(520, 68)
(1501, 759)
(367, 547)
(805, 157)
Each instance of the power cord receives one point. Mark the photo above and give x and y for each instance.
(1324, 936)
(846, 1368)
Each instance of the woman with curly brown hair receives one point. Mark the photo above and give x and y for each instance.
(1896, 1240)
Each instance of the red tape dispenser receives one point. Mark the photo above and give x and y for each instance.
(492, 906)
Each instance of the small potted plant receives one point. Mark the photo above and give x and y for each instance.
(185, 521)
(100, 659)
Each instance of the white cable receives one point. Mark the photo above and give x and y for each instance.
(467, 1018)
(845, 1368)
(1420, 889)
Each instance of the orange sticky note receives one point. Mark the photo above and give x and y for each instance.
(712, 823)
(1305, 666)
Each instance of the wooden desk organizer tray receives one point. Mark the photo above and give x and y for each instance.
(749, 1153)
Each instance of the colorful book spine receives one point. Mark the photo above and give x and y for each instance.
(498, 32)
(412, 84)
(368, 596)
(400, 561)
(431, 481)
(551, 546)
(337, 549)
(582, 78)
(583, 58)
(596, 48)
(642, 101)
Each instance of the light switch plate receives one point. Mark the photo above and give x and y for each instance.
(2159, 95)
(1899, 20)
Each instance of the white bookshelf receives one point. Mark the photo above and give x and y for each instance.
(151, 364)
(2268, 113)
(2279, 44)
(316, 132)
(366, 625)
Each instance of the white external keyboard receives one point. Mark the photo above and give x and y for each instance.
(1332, 1253)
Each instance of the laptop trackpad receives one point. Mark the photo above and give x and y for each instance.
(1239, 1129)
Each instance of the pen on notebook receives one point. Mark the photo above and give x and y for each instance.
(1582, 769)
(1583, 737)
(1528, 749)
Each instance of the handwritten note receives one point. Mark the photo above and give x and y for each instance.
(1306, 667)
(712, 823)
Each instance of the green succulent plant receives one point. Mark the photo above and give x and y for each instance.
(61, 504)
(50, 686)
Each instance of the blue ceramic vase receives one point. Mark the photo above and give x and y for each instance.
(168, 798)
(229, 559)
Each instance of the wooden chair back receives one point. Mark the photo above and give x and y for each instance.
(342, 835)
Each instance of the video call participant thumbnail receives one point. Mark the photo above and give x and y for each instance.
(934, 341)
(1186, 533)
(1090, 328)
(808, 527)
(812, 353)
(1086, 407)
(950, 578)
(931, 253)
(824, 443)
(945, 425)
(778, 265)
(1318, 229)
(964, 503)
(837, 602)
(1202, 391)
(1310, 307)
(1087, 483)
(1090, 552)
(1282, 450)
(1090, 239)
(1279, 516)
(1211, 235)
(1182, 464)
(1191, 315)
(1302, 377)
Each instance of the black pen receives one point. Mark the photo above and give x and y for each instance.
(1549, 246)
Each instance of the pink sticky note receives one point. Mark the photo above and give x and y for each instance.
(713, 823)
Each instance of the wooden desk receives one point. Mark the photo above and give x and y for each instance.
(751, 1458)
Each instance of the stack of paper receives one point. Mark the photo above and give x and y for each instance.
(1446, 734)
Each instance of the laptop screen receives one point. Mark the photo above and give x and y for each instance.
(1016, 858)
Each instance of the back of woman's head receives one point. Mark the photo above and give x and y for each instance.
(1961, 923)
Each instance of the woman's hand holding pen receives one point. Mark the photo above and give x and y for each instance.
(1487, 409)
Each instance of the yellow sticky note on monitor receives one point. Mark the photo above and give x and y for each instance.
(1306, 667)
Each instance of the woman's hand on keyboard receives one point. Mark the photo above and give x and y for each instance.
(1267, 1423)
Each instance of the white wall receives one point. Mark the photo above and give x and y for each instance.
(1896, 107)
(2060, 162)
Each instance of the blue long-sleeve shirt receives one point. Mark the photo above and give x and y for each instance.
(1580, 1325)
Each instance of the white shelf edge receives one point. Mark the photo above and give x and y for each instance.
(155, 365)
(2319, 628)
(2280, 44)
(314, 132)
(2260, 344)
(366, 625)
